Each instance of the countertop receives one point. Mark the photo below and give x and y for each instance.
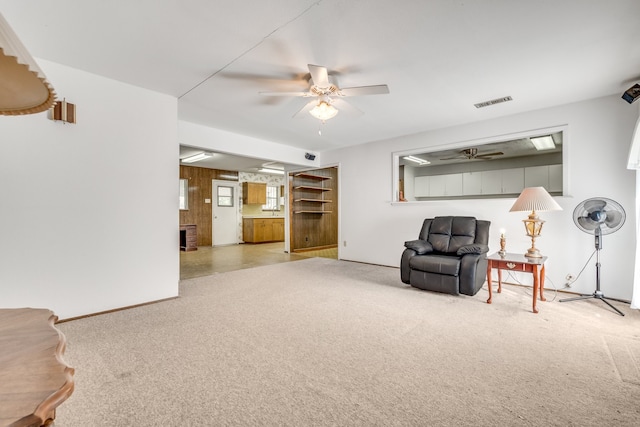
(261, 216)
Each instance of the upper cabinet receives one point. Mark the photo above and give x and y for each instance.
(489, 183)
(254, 193)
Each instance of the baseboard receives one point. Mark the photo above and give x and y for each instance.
(84, 316)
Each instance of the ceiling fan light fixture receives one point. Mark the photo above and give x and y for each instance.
(543, 142)
(323, 111)
(197, 157)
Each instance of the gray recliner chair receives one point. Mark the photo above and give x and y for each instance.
(449, 255)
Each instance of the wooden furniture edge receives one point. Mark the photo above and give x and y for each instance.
(46, 410)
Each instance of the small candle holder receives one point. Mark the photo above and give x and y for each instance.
(503, 244)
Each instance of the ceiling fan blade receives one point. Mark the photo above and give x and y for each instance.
(364, 90)
(461, 156)
(285, 93)
(347, 107)
(305, 108)
(319, 75)
(488, 155)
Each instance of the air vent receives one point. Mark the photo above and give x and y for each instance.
(493, 101)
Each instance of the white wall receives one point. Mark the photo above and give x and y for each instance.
(597, 143)
(195, 135)
(88, 211)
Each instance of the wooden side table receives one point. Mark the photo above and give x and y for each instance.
(517, 262)
(35, 379)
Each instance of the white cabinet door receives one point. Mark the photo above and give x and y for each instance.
(421, 186)
(437, 186)
(536, 176)
(491, 182)
(453, 184)
(471, 183)
(555, 178)
(512, 181)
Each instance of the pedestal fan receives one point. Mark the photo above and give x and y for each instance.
(598, 216)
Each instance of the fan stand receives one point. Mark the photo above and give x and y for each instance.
(598, 293)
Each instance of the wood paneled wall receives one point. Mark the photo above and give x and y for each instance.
(200, 188)
(308, 231)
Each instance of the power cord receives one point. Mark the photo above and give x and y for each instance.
(547, 279)
(528, 289)
(568, 284)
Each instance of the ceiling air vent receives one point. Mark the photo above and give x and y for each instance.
(493, 101)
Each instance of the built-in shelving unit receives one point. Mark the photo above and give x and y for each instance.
(309, 194)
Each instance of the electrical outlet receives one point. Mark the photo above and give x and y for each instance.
(570, 279)
(345, 243)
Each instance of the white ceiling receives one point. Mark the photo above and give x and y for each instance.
(438, 57)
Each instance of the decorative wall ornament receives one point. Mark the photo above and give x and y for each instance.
(63, 111)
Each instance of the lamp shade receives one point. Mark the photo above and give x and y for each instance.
(24, 88)
(535, 199)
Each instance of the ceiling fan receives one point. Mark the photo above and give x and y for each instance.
(327, 93)
(472, 153)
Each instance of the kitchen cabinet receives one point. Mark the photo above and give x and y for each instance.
(555, 179)
(421, 186)
(549, 177)
(449, 185)
(491, 182)
(259, 230)
(254, 193)
(471, 183)
(512, 181)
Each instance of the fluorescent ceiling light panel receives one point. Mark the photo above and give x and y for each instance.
(543, 142)
(267, 170)
(417, 160)
(197, 157)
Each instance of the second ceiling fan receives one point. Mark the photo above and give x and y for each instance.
(327, 93)
(472, 153)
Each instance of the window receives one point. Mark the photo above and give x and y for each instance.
(225, 196)
(493, 167)
(184, 194)
(272, 199)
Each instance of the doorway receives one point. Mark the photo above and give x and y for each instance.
(225, 212)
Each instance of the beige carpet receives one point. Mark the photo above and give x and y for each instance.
(321, 342)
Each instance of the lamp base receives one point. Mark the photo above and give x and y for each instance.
(533, 253)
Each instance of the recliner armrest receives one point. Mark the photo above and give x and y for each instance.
(420, 246)
(476, 248)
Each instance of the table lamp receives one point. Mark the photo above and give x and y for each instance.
(534, 199)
